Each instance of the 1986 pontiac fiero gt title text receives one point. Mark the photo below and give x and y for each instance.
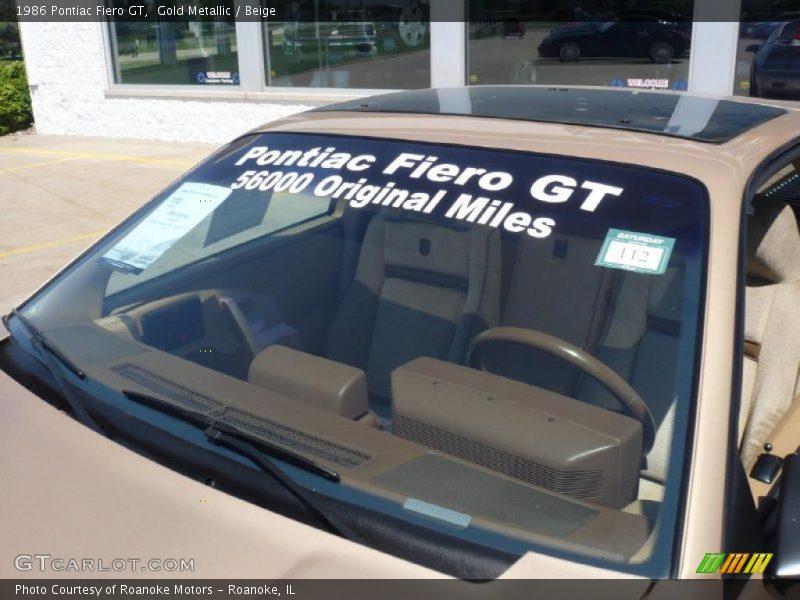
(27, 9)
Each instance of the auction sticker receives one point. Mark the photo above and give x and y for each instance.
(638, 252)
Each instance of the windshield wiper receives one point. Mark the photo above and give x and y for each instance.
(267, 447)
(260, 452)
(205, 420)
(38, 337)
(194, 417)
(49, 352)
(268, 465)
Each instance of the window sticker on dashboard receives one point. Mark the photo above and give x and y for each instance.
(169, 222)
(638, 252)
(434, 511)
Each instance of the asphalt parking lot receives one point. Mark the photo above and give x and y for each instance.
(59, 194)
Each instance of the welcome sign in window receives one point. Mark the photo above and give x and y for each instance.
(170, 51)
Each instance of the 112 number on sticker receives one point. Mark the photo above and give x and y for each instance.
(634, 251)
(633, 255)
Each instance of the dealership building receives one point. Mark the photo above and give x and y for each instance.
(210, 80)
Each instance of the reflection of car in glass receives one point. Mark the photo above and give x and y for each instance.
(470, 331)
(775, 71)
(757, 30)
(411, 27)
(350, 31)
(513, 28)
(404, 22)
(662, 39)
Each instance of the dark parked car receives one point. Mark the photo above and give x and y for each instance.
(661, 37)
(775, 71)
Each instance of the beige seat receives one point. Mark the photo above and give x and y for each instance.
(641, 344)
(556, 288)
(420, 289)
(629, 321)
(772, 324)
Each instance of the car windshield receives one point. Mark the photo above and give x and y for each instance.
(496, 345)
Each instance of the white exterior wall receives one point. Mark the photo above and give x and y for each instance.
(67, 72)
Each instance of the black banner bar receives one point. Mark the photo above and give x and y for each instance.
(473, 11)
(341, 589)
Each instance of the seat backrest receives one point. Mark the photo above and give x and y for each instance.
(772, 326)
(641, 345)
(555, 288)
(630, 321)
(420, 289)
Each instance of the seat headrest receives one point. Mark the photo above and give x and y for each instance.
(773, 242)
(398, 215)
(425, 246)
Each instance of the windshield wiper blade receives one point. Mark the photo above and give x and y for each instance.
(206, 419)
(44, 342)
(194, 417)
(48, 352)
(284, 454)
(268, 465)
(260, 452)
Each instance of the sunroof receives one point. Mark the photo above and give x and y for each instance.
(679, 115)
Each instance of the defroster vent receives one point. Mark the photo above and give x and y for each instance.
(583, 484)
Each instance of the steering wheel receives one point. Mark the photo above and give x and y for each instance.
(588, 364)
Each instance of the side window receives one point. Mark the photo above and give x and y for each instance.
(769, 412)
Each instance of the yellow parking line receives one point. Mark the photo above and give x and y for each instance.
(53, 244)
(98, 156)
(34, 165)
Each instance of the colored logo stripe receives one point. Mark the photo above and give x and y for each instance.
(734, 563)
(711, 562)
(758, 563)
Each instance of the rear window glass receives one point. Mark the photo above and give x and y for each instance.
(650, 112)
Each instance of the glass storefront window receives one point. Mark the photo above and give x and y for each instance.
(768, 54)
(642, 44)
(174, 52)
(361, 44)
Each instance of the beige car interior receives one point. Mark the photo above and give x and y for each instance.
(326, 384)
(387, 373)
(769, 410)
(408, 304)
(419, 290)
